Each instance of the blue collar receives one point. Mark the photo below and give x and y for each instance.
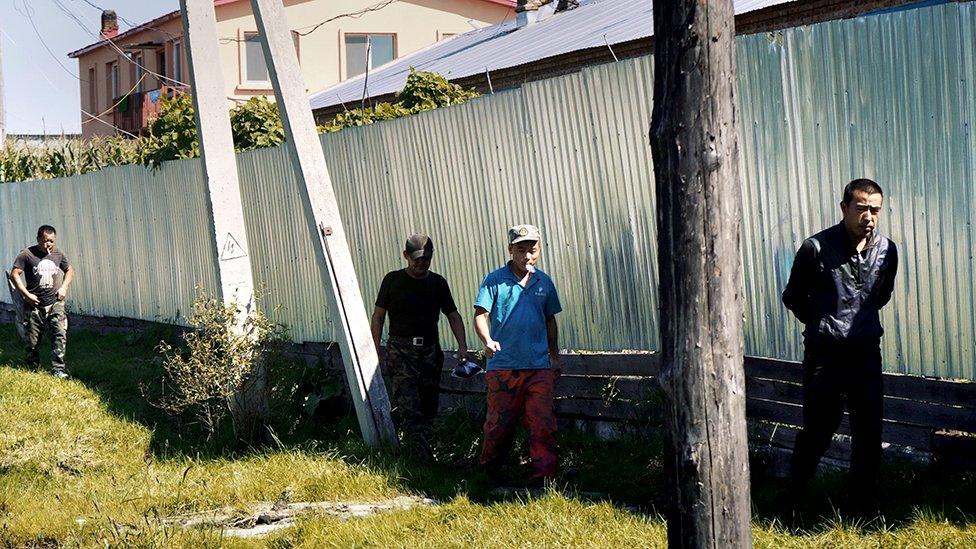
(512, 276)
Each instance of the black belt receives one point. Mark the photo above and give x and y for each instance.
(415, 341)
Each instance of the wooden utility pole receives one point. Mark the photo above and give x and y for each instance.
(229, 237)
(325, 224)
(693, 136)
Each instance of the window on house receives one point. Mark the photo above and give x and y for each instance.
(380, 47)
(177, 63)
(137, 72)
(112, 81)
(92, 92)
(161, 66)
(446, 35)
(254, 69)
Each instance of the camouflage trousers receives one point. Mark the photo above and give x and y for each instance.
(52, 319)
(416, 374)
(525, 395)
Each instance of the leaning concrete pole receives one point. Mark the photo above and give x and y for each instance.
(3, 112)
(693, 136)
(322, 215)
(229, 237)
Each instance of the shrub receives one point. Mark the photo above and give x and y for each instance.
(219, 365)
(173, 134)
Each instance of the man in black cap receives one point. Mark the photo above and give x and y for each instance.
(841, 278)
(414, 298)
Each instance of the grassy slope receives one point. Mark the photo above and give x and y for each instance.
(88, 461)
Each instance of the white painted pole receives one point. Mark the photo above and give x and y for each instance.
(322, 215)
(217, 153)
(3, 112)
(230, 252)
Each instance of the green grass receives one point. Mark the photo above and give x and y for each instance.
(89, 462)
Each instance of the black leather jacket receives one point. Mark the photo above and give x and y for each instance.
(835, 291)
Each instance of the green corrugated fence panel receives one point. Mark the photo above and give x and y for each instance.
(889, 97)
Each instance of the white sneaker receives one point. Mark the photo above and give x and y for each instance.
(60, 374)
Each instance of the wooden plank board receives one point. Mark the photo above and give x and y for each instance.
(930, 414)
(954, 450)
(928, 389)
(603, 364)
(792, 414)
(622, 364)
(569, 408)
(608, 387)
(770, 389)
(770, 368)
(580, 387)
(594, 409)
(959, 393)
(781, 436)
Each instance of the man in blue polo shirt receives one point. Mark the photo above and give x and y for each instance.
(515, 317)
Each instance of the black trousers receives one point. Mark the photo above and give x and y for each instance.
(835, 375)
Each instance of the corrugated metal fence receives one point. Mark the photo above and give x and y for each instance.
(889, 97)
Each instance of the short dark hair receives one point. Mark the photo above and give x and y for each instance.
(45, 229)
(862, 184)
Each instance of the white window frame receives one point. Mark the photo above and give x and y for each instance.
(138, 62)
(114, 81)
(243, 84)
(176, 62)
(93, 89)
(369, 61)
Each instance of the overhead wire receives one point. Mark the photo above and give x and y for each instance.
(60, 90)
(129, 22)
(145, 70)
(30, 18)
(352, 15)
(122, 99)
(110, 42)
(113, 126)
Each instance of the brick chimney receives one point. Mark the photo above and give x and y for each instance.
(110, 24)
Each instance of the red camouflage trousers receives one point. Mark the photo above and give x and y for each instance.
(525, 395)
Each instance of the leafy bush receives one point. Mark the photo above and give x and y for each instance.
(65, 159)
(219, 364)
(173, 134)
(423, 91)
(256, 125)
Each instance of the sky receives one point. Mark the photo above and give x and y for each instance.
(40, 95)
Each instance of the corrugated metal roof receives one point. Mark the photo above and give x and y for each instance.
(594, 23)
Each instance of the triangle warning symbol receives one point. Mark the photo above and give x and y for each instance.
(231, 249)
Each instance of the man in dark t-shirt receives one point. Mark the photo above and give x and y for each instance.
(47, 276)
(415, 297)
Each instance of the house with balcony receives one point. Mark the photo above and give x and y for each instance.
(124, 75)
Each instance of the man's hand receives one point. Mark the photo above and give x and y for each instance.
(556, 364)
(32, 299)
(492, 347)
(62, 293)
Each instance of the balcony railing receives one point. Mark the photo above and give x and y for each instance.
(135, 111)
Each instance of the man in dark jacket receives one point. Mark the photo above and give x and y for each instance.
(840, 280)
